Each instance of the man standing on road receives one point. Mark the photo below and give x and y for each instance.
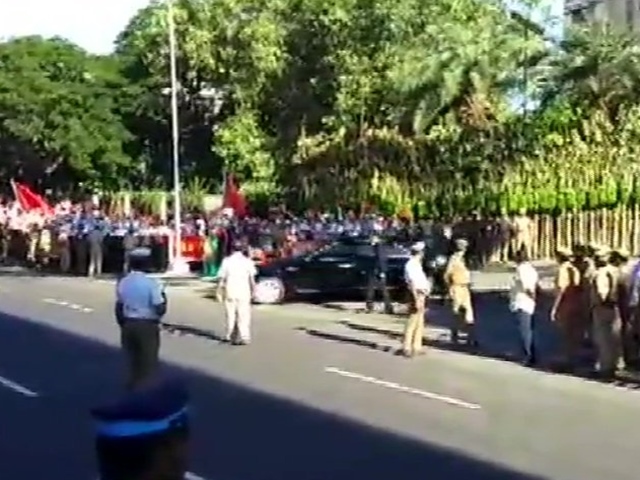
(377, 276)
(236, 284)
(523, 304)
(95, 239)
(458, 279)
(622, 261)
(606, 315)
(144, 435)
(419, 289)
(140, 305)
(633, 329)
(567, 307)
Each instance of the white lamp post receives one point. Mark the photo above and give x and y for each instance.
(178, 264)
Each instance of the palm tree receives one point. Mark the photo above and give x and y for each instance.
(466, 70)
(594, 68)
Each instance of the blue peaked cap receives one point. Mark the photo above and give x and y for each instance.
(152, 410)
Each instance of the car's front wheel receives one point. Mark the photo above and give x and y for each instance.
(269, 291)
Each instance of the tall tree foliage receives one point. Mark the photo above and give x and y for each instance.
(394, 102)
(59, 115)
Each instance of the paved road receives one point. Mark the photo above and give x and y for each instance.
(293, 405)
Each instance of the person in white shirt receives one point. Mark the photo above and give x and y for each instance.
(523, 303)
(419, 288)
(235, 289)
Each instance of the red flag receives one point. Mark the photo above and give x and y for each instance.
(29, 200)
(233, 197)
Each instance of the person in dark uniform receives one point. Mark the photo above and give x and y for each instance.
(144, 435)
(377, 276)
(140, 305)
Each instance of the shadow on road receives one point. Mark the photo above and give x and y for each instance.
(239, 433)
(496, 331)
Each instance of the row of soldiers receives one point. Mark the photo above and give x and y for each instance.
(596, 302)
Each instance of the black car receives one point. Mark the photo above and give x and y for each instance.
(339, 268)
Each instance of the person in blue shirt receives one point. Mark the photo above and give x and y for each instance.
(140, 305)
(81, 227)
(144, 434)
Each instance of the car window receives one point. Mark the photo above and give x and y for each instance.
(338, 250)
(329, 251)
(364, 250)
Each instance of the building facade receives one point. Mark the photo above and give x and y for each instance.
(621, 13)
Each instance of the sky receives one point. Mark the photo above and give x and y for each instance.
(92, 24)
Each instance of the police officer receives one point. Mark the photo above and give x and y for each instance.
(144, 435)
(584, 262)
(80, 245)
(606, 315)
(377, 276)
(458, 279)
(95, 239)
(567, 307)
(621, 260)
(129, 243)
(419, 288)
(140, 305)
(64, 246)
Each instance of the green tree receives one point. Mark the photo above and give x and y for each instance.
(595, 68)
(234, 46)
(58, 115)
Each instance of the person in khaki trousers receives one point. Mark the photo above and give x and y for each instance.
(95, 239)
(606, 315)
(458, 279)
(524, 233)
(567, 308)
(236, 284)
(419, 289)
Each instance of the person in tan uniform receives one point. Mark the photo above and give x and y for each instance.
(606, 316)
(583, 261)
(32, 233)
(567, 307)
(621, 260)
(44, 245)
(64, 248)
(523, 233)
(458, 280)
(5, 240)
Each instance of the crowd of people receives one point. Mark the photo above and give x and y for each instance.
(84, 239)
(597, 300)
(595, 306)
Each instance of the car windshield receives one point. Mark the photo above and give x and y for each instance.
(358, 248)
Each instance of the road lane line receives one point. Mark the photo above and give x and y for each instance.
(193, 476)
(187, 476)
(16, 387)
(51, 301)
(402, 388)
(72, 306)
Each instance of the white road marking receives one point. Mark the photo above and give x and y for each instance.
(192, 476)
(72, 306)
(16, 387)
(402, 388)
(187, 476)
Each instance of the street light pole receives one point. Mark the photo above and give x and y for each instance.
(178, 265)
